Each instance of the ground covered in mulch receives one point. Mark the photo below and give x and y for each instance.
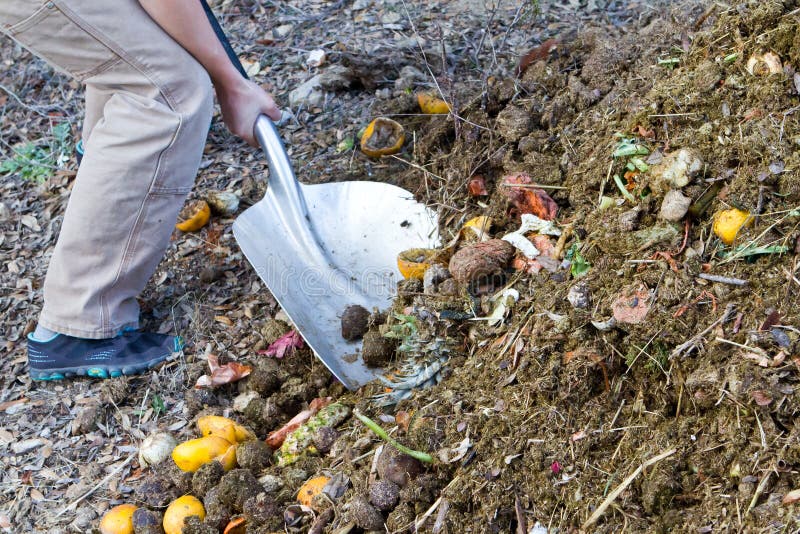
(638, 371)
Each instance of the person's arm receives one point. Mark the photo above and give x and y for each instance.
(240, 99)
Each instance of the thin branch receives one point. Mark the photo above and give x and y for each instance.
(619, 489)
(97, 486)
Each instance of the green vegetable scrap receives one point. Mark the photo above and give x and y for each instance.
(375, 427)
(628, 147)
(624, 190)
(346, 144)
(730, 58)
(578, 264)
(636, 164)
(300, 442)
(745, 251)
(669, 62)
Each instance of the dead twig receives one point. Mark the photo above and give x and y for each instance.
(723, 279)
(487, 30)
(702, 18)
(755, 350)
(522, 523)
(97, 486)
(318, 527)
(439, 524)
(625, 483)
(689, 346)
(702, 294)
(419, 522)
(759, 490)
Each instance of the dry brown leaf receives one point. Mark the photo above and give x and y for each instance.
(761, 397)
(222, 374)
(8, 404)
(537, 53)
(529, 199)
(641, 131)
(403, 419)
(792, 496)
(772, 319)
(224, 320)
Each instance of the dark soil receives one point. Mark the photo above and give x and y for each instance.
(355, 321)
(377, 351)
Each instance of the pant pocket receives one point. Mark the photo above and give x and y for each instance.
(63, 40)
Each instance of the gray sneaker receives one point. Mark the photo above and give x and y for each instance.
(130, 353)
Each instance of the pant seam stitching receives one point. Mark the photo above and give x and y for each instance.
(168, 191)
(103, 66)
(131, 243)
(24, 24)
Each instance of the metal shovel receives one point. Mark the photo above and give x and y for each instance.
(321, 248)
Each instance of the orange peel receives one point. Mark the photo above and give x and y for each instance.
(237, 525)
(311, 489)
(431, 105)
(194, 216)
(728, 223)
(415, 261)
(382, 137)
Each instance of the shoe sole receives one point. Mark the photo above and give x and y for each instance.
(94, 371)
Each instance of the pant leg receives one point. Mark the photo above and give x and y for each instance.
(142, 151)
(95, 99)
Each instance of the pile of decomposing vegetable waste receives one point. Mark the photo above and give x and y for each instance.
(607, 248)
(228, 479)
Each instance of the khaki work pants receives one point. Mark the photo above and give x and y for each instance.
(148, 109)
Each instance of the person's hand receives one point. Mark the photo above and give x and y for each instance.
(242, 101)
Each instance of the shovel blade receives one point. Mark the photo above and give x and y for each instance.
(361, 226)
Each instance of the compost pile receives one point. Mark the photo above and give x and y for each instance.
(606, 339)
(644, 329)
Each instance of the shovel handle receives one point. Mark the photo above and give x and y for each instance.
(281, 175)
(283, 191)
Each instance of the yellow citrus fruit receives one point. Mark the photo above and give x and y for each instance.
(311, 489)
(727, 224)
(178, 510)
(431, 105)
(118, 520)
(190, 455)
(215, 425)
(413, 262)
(194, 216)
